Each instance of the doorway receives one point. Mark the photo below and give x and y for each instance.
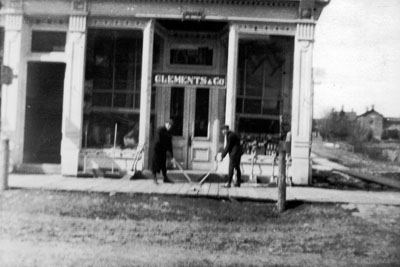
(190, 109)
(43, 113)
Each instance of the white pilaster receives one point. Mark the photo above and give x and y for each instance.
(231, 79)
(73, 95)
(302, 108)
(145, 91)
(13, 97)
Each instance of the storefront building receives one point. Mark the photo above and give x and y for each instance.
(93, 79)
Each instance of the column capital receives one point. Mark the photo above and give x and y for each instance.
(77, 22)
(305, 31)
(13, 21)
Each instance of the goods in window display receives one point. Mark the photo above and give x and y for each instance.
(113, 173)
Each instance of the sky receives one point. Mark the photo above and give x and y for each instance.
(357, 57)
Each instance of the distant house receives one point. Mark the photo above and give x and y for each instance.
(392, 124)
(391, 128)
(372, 120)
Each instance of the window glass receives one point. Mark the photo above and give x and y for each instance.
(114, 66)
(99, 129)
(201, 112)
(177, 109)
(112, 88)
(48, 41)
(191, 56)
(259, 100)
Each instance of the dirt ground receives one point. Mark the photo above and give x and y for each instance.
(49, 228)
(358, 163)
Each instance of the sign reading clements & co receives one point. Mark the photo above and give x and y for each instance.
(167, 79)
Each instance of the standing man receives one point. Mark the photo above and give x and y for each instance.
(162, 148)
(234, 149)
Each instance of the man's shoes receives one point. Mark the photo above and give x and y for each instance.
(237, 185)
(167, 180)
(227, 185)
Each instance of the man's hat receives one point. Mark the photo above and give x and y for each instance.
(224, 127)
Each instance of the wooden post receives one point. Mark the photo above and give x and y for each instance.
(4, 154)
(282, 179)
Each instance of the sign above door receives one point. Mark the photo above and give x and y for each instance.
(173, 79)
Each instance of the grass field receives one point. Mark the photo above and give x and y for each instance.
(49, 228)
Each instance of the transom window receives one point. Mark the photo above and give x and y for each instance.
(202, 56)
(48, 41)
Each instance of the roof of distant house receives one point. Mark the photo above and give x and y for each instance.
(372, 111)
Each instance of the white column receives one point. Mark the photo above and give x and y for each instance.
(231, 77)
(145, 91)
(302, 108)
(13, 95)
(73, 95)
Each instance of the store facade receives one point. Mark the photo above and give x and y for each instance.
(93, 79)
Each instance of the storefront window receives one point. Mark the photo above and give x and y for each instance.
(259, 100)
(112, 88)
(260, 78)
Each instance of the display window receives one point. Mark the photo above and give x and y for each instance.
(260, 92)
(112, 88)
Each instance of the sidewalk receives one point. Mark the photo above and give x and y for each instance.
(248, 191)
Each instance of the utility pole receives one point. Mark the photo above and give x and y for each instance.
(282, 178)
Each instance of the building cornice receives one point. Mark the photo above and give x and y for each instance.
(283, 12)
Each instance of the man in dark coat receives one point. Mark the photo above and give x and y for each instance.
(161, 147)
(234, 149)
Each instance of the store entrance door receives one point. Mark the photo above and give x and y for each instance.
(190, 109)
(43, 113)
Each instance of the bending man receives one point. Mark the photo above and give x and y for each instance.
(234, 149)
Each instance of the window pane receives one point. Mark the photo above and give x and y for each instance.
(259, 126)
(46, 41)
(177, 109)
(102, 84)
(252, 106)
(123, 100)
(114, 64)
(153, 98)
(201, 112)
(254, 76)
(127, 64)
(260, 74)
(239, 105)
(136, 100)
(102, 63)
(271, 107)
(99, 129)
(200, 56)
(102, 99)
